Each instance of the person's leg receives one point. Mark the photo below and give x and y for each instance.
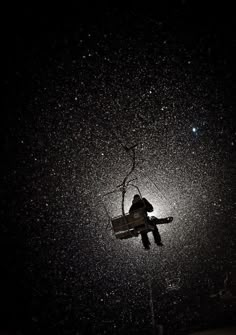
(157, 236)
(157, 221)
(145, 240)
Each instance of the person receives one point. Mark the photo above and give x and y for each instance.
(138, 203)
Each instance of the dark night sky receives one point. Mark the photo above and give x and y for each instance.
(79, 82)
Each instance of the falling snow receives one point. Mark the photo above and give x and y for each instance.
(82, 97)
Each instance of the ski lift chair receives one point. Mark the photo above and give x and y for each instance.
(130, 225)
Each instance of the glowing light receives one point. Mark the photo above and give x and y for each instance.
(194, 129)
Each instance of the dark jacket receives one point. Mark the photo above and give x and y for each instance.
(142, 203)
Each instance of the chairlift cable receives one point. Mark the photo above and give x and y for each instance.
(157, 188)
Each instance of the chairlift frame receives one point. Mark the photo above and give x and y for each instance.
(129, 225)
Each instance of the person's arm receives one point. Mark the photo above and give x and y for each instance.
(131, 209)
(148, 206)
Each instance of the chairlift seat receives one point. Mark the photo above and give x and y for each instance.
(131, 224)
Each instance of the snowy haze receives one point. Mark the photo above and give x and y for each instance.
(82, 96)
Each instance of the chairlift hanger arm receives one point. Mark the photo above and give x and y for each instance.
(124, 185)
(133, 163)
(135, 186)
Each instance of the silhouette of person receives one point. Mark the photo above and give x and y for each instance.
(138, 203)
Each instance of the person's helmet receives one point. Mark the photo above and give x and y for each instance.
(136, 198)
